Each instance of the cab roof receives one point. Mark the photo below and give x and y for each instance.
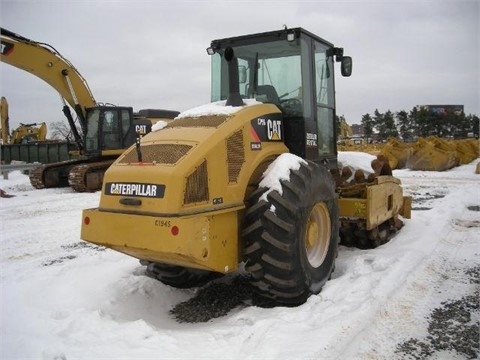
(263, 37)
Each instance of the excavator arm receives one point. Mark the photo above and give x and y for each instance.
(4, 124)
(45, 62)
(107, 130)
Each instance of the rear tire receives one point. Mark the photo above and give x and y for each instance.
(178, 276)
(292, 238)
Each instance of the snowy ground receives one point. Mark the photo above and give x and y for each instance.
(62, 298)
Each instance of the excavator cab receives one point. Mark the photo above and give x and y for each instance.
(109, 129)
(292, 69)
(112, 129)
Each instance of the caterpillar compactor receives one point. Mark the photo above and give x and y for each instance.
(105, 131)
(251, 179)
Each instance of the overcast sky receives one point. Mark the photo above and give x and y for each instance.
(151, 54)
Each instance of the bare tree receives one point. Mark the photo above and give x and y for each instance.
(61, 131)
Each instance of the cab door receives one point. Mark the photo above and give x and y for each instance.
(325, 101)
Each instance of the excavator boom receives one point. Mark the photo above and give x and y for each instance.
(106, 130)
(45, 62)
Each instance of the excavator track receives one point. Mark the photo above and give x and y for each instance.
(88, 177)
(52, 175)
(352, 183)
(36, 176)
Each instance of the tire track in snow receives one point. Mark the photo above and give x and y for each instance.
(429, 283)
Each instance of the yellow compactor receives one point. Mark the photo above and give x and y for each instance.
(250, 179)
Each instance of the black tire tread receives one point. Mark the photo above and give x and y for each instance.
(270, 237)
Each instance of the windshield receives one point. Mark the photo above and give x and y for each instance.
(269, 72)
(93, 118)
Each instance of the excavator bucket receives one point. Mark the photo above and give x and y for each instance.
(433, 154)
(397, 153)
(467, 150)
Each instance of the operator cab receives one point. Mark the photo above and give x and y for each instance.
(292, 69)
(112, 129)
(109, 128)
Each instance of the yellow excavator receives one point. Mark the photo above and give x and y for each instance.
(252, 178)
(23, 134)
(29, 133)
(105, 131)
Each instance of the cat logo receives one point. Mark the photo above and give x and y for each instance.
(266, 128)
(141, 129)
(274, 130)
(6, 47)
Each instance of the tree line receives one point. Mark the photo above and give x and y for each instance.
(419, 122)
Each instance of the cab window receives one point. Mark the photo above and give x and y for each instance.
(325, 100)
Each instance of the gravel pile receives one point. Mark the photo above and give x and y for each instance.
(453, 327)
(214, 300)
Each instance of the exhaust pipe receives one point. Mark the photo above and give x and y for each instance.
(234, 98)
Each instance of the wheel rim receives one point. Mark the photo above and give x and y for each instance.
(317, 234)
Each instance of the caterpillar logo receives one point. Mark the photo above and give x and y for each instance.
(266, 128)
(274, 130)
(141, 129)
(135, 189)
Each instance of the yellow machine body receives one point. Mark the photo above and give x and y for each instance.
(185, 207)
(193, 195)
(203, 167)
(29, 133)
(4, 121)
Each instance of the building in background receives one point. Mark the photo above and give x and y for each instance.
(357, 130)
(443, 109)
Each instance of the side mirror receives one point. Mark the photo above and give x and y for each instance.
(242, 74)
(346, 66)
